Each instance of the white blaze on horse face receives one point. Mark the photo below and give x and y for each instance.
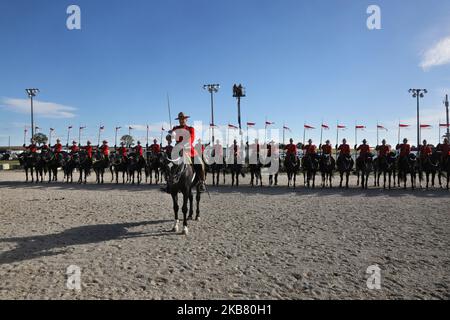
(374, 20)
(73, 22)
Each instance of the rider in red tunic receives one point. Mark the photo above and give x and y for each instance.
(405, 148)
(326, 148)
(104, 149)
(139, 150)
(122, 150)
(168, 148)
(88, 150)
(444, 149)
(344, 148)
(184, 130)
(291, 148)
(155, 148)
(310, 149)
(383, 150)
(425, 150)
(32, 147)
(218, 152)
(74, 148)
(57, 148)
(364, 150)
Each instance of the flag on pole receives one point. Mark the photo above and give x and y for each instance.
(309, 127)
(251, 124)
(70, 127)
(118, 128)
(381, 127)
(51, 129)
(102, 128)
(324, 126)
(130, 128)
(81, 128)
(286, 128)
(339, 126)
(443, 125)
(360, 127)
(232, 126)
(403, 125)
(425, 126)
(212, 125)
(268, 123)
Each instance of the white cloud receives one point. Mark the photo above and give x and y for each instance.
(41, 108)
(438, 55)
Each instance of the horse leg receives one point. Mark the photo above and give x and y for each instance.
(175, 210)
(184, 209)
(191, 207)
(197, 198)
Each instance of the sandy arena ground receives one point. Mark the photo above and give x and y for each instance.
(260, 243)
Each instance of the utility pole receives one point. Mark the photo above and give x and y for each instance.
(448, 122)
(212, 88)
(31, 94)
(418, 93)
(238, 93)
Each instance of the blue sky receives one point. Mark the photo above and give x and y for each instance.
(301, 61)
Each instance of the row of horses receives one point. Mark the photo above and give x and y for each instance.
(393, 170)
(40, 165)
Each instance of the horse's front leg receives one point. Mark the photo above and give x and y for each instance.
(184, 209)
(191, 205)
(197, 198)
(175, 210)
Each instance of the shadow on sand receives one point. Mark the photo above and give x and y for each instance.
(44, 245)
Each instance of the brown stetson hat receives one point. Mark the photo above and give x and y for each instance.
(182, 116)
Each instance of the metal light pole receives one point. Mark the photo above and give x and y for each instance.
(418, 93)
(212, 88)
(238, 93)
(32, 93)
(447, 123)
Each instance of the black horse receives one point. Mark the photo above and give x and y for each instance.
(310, 166)
(181, 178)
(408, 165)
(84, 166)
(54, 162)
(99, 164)
(430, 165)
(327, 165)
(152, 165)
(292, 165)
(364, 166)
(236, 170)
(27, 161)
(345, 165)
(216, 168)
(445, 167)
(386, 165)
(69, 165)
(135, 166)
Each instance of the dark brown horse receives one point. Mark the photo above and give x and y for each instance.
(181, 178)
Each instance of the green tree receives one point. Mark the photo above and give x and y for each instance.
(40, 138)
(127, 139)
